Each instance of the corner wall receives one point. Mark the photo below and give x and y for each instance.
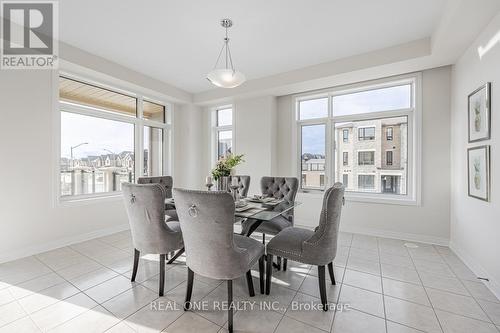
(475, 224)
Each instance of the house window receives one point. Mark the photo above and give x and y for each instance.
(223, 131)
(98, 147)
(313, 156)
(373, 112)
(366, 133)
(366, 158)
(366, 182)
(388, 157)
(345, 135)
(345, 180)
(389, 133)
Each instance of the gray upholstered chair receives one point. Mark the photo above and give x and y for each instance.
(243, 183)
(212, 248)
(278, 187)
(167, 183)
(318, 247)
(145, 205)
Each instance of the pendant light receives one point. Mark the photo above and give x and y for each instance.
(226, 77)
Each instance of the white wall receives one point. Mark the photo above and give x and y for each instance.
(428, 222)
(255, 136)
(475, 224)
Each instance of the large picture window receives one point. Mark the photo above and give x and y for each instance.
(99, 149)
(381, 118)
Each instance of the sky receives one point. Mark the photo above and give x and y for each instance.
(100, 134)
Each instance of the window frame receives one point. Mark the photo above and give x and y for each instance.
(387, 157)
(138, 122)
(366, 151)
(414, 136)
(387, 136)
(217, 129)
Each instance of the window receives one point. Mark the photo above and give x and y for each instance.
(389, 133)
(223, 131)
(345, 180)
(366, 133)
(345, 158)
(388, 157)
(98, 147)
(366, 158)
(313, 108)
(313, 156)
(366, 182)
(382, 119)
(345, 135)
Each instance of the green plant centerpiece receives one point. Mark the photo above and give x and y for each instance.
(223, 168)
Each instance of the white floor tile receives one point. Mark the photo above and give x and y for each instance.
(130, 301)
(10, 312)
(407, 291)
(308, 309)
(453, 323)
(410, 314)
(289, 325)
(150, 320)
(459, 304)
(352, 321)
(36, 285)
(451, 285)
(393, 327)
(95, 320)
(400, 273)
(106, 290)
(57, 314)
(190, 322)
(363, 280)
(492, 309)
(91, 279)
(24, 325)
(48, 297)
(480, 291)
(362, 300)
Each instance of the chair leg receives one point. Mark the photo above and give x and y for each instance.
(261, 273)
(269, 273)
(322, 287)
(137, 255)
(330, 271)
(189, 290)
(264, 238)
(278, 262)
(285, 261)
(230, 305)
(162, 274)
(251, 291)
(181, 251)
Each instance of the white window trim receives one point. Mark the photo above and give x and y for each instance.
(414, 144)
(216, 129)
(138, 122)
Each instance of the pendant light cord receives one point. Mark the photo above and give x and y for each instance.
(225, 46)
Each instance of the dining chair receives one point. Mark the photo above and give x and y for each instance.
(167, 183)
(281, 188)
(145, 206)
(318, 247)
(243, 185)
(212, 248)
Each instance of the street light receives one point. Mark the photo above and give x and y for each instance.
(74, 147)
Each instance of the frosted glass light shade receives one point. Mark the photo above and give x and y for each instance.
(226, 78)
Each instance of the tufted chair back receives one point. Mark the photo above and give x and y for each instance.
(165, 181)
(281, 188)
(243, 183)
(323, 243)
(207, 224)
(145, 205)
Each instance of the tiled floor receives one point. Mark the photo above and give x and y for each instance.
(388, 287)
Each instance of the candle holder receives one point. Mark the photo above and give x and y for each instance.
(209, 186)
(234, 191)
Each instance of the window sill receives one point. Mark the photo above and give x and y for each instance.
(82, 200)
(366, 198)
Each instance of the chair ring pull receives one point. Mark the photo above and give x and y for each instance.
(193, 211)
(132, 198)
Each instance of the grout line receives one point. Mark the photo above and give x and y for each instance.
(382, 286)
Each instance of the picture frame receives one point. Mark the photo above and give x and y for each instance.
(479, 113)
(478, 172)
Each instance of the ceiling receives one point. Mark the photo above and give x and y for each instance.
(177, 42)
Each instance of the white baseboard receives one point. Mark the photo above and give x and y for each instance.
(389, 234)
(492, 285)
(40, 248)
